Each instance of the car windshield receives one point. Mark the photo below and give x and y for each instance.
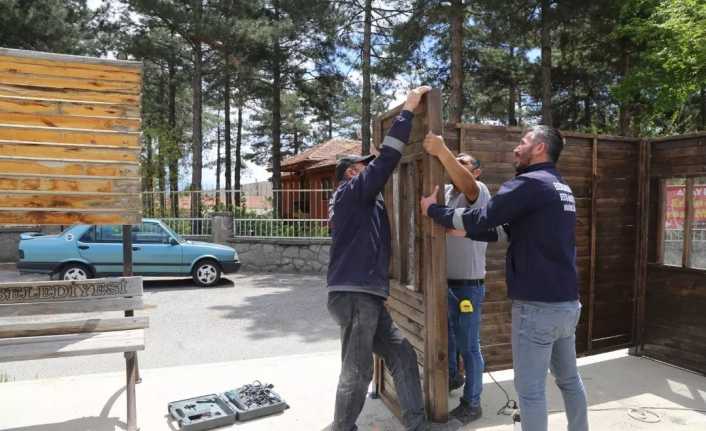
(176, 235)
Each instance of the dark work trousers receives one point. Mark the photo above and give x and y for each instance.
(367, 328)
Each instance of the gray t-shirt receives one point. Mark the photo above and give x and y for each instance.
(465, 258)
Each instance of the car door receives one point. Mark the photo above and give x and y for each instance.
(102, 247)
(154, 252)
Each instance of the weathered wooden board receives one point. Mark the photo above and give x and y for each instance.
(70, 135)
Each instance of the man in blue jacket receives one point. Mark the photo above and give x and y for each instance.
(538, 211)
(358, 280)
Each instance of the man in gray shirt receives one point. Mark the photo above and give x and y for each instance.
(466, 273)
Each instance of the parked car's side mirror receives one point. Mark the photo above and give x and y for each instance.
(172, 241)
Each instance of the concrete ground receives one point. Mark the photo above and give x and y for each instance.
(285, 337)
(625, 393)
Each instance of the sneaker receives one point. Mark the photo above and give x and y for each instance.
(466, 413)
(456, 382)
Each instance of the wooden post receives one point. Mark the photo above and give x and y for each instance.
(131, 366)
(130, 357)
(594, 242)
(436, 369)
(642, 237)
(688, 221)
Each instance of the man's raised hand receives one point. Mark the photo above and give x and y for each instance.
(434, 144)
(414, 97)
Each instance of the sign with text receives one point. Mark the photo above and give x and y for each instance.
(675, 205)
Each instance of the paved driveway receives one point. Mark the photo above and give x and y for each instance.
(247, 316)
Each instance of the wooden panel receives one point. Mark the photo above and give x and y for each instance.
(50, 291)
(67, 108)
(65, 307)
(67, 184)
(58, 346)
(15, 132)
(72, 122)
(68, 124)
(72, 327)
(65, 152)
(62, 216)
(417, 302)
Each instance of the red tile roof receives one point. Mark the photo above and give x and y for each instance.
(321, 155)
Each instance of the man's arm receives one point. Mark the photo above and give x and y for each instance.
(460, 176)
(514, 199)
(372, 179)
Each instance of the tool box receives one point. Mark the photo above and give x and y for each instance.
(216, 410)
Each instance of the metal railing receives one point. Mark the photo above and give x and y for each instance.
(258, 212)
(191, 227)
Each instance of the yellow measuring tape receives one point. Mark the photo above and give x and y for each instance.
(465, 306)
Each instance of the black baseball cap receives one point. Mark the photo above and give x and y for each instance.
(349, 159)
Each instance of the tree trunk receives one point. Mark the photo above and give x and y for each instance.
(276, 114)
(173, 152)
(330, 127)
(238, 160)
(624, 115)
(147, 176)
(228, 155)
(218, 165)
(196, 139)
(512, 92)
(587, 109)
(161, 152)
(458, 15)
(702, 93)
(365, 120)
(546, 64)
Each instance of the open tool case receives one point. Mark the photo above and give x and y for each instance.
(211, 411)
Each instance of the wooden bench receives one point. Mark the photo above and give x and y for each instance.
(24, 335)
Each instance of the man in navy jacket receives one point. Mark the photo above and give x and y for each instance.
(358, 280)
(538, 211)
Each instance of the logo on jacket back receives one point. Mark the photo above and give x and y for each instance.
(566, 196)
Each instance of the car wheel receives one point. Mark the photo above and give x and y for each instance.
(206, 273)
(75, 271)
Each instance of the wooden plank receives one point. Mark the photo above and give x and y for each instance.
(62, 216)
(45, 150)
(69, 95)
(669, 139)
(72, 122)
(69, 201)
(40, 106)
(52, 59)
(436, 369)
(24, 165)
(595, 179)
(13, 132)
(63, 84)
(72, 327)
(58, 346)
(65, 307)
(406, 310)
(63, 290)
(68, 184)
(63, 69)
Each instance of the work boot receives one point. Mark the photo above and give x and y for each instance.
(455, 382)
(466, 413)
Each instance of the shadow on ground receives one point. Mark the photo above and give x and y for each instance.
(283, 305)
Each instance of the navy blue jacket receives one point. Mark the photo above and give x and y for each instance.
(538, 211)
(360, 252)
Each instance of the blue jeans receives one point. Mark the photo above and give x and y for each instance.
(464, 337)
(544, 336)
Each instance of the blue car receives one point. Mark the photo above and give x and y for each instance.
(86, 251)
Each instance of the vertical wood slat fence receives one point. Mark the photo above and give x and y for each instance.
(418, 300)
(69, 139)
(602, 172)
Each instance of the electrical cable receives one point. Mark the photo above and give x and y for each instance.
(510, 404)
